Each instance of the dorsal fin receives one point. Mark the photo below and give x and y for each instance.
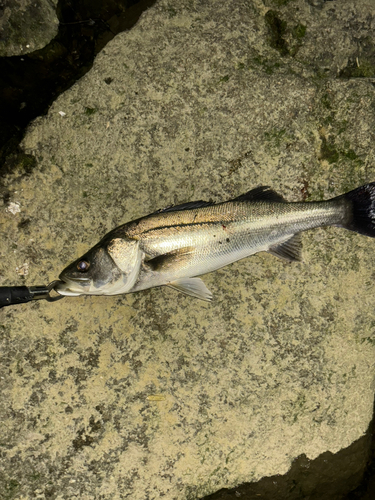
(261, 193)
(190, 205)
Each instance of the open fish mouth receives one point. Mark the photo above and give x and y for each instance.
(84, 286)
(72, 286)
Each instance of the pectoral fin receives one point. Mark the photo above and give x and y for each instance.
(289, 250)
(167, 261)
(173, 262)
(192, 286)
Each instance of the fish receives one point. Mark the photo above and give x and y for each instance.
(173, 246)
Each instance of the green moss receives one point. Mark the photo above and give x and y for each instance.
(275, 136)
(11, 488)
(90, 111)
(353, 262)
(295, 408)
(299, 31)
(224, 78)
(328, 151)
(26, 163)
(359, 69)
(343, 125)
(328, 120)
(280, 3)
(368, 340)
(320, 74)
(350, 154)
(35, 476)
(326, 100)
(267, 65)
(277, 29)
(20, 163)
(171, 11)
(286, 40)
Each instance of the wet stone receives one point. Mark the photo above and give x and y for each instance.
(156, 394)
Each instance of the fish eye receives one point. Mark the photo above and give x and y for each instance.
(83, 266)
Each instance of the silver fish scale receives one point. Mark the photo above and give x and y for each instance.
(236, 221)
(212, 237)
(174, 246)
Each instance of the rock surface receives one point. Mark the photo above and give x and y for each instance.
(26, 26)
(157, 394)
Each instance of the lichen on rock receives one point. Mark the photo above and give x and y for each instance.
(157, 394)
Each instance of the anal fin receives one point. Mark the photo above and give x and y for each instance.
(192, 286)
(289, 250)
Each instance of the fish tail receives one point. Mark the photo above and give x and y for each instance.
(361, 216)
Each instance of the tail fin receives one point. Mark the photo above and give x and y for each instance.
(362, 218)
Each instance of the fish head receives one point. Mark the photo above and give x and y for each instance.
(111, 267)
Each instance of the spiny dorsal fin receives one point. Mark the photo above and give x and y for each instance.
(192, 286)
(290, 250)
(190, 205)
(261, 193)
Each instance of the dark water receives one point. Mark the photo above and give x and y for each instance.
(28, 85)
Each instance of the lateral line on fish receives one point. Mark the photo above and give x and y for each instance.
(183, 225)
(173, 248)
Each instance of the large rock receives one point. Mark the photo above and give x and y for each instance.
(157, 394)
(26, 25)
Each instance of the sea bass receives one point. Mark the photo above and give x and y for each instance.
(175, 245)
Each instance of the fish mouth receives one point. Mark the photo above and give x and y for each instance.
(72, 286)
(77, 279)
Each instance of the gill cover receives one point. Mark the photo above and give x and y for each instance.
(127, 256)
